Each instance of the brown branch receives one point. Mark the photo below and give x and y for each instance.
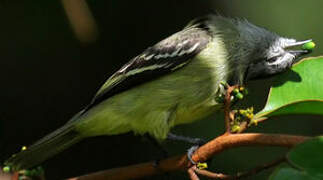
(225, 142)
(240, 175)
(205, 152)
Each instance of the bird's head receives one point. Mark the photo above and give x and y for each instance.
(260, 53)
(275, 58)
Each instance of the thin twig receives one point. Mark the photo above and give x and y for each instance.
(244, 126)
(227, 109)
(242, 174)
(191, 173)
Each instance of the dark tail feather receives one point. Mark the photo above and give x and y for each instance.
(45, 148)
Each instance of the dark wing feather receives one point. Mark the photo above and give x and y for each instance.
(166, 56)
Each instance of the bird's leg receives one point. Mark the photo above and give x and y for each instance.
(197, 142)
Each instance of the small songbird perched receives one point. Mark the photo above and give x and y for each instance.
(175, 81)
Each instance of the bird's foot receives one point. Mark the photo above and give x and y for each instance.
(197, 142)
(190, 153)
(199, 165)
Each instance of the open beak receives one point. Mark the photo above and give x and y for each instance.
(301, 52)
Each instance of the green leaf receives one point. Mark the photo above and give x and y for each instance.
(288, 173)
(308, 156)
(297, 91)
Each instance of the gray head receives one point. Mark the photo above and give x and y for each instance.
(254, 52)
(265, 53)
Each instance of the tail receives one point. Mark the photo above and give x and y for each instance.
(45, 148)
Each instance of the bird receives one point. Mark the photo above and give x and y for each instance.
(175, 81)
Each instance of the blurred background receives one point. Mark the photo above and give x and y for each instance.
(54, 55)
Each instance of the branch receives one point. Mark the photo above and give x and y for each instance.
(227, 109)
(191, 173)
(244, 126)
(239, 175)
(204, 153)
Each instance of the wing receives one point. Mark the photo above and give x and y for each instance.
(164, 57)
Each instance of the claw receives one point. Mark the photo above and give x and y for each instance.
(190, 153)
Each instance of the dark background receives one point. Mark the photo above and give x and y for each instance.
(48, 73)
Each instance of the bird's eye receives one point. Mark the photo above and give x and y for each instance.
(272, 59)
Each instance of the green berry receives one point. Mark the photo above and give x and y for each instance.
(239, 96)
(308, 46)
(6, 169)
(235, 91)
